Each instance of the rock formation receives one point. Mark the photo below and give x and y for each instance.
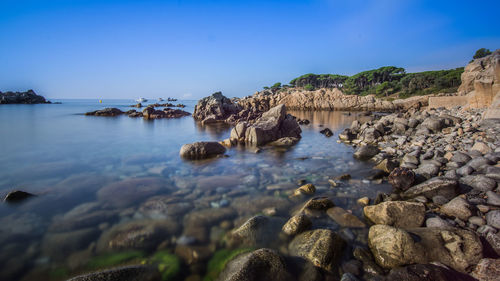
(272, 125)
(215, 108)
(480, 87)
(322, 99)
(28, 97)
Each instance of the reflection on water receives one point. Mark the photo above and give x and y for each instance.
(334, 120)
(112, 184)
(216, 130)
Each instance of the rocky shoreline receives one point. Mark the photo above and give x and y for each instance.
(444, 166)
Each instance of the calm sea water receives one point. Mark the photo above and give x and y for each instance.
(74, 163)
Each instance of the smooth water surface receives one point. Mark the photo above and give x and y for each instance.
(97, 176)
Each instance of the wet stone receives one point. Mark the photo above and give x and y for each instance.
(16, 196)
(366, 152)
(297, 224)
(126, 273)
(124, 193)
(344, 218)
(141, 235)
(322, 247)
(258, 231)
(396, 213)
(260, 265)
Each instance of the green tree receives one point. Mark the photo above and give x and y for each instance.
(265, 88)
(481, 53)
(276, 85)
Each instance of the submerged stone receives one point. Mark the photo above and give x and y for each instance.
(322, 247)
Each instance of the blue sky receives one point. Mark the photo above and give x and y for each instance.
(189, 49)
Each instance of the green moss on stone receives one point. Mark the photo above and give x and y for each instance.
(112, 259)
(168, 264)
(59, 273)
(219, 261)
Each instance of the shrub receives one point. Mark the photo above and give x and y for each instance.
(309, 87)
(481, 53)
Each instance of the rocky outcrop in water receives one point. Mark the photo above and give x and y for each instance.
(152, 113)
(28, 97)
(215, 108)
(109, 112)
(148, 113)
(272, 125)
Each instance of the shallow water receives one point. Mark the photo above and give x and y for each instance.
(93, 175)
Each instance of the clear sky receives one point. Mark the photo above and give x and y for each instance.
(189, 49)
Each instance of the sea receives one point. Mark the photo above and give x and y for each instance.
(116, 187)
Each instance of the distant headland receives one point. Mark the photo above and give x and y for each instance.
(28, 97)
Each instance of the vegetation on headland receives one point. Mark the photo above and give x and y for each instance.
(388, 80)
(385, 81)
(481, 53)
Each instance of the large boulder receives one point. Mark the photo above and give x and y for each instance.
(396, 213)
(125, 273)
(201, 150)
(215, 108)
(393, 247)
(272, 125)
(457, 248)
(260, 265)
(322, 247)
(258, 231)
(28, 97)
(432, 187)
(366, 152)
(140, 235)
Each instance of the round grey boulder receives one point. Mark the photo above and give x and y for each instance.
(201, 150)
